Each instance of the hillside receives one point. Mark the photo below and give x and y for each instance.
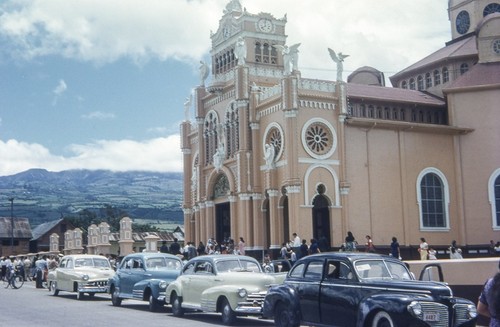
(42, 196)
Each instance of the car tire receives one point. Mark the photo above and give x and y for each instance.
(154, 304)
(115, 298)
(228, 314)
(284, 316)
(79, 295)
(382, 319)
(177, 309)
(53, 288)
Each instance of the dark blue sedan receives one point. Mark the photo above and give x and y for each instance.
(365, 290)
(144, 276)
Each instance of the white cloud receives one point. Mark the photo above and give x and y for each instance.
(160, 154)
(99, 115)
(59, 90)
(381, 34)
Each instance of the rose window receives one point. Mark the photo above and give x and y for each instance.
(319, 138)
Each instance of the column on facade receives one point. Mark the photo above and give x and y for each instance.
(68, 242)
(126, 242)
(258, 222)
(245, 227)
(290, 109)
(54, 243)
(77, 232)
(233, 209)
(104, 247)
(274, 218)
(92, 239)
(344, 183)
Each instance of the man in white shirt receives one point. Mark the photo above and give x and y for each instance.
(296, 244)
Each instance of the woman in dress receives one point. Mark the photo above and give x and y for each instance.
(423, 249)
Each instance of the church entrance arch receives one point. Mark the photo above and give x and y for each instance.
(221, 191)
(321, 219)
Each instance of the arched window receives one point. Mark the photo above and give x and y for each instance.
(433, 199)
(210, 136)
(258, 54)
(428, 80)
(494, 197)
(420, 82)
(437, 77)
(464, 68)
(446, 75)
(412, 84)
(491, 8)
(404, 84)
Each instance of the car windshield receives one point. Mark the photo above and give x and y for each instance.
(380, 269)
(237, 265)
(163, 264)
(92, 262)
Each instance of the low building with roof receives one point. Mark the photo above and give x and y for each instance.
(40, 241)
(14, 238)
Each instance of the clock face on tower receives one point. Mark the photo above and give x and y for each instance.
(463, 22)
(265, 25)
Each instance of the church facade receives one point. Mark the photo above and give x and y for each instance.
(270, 153)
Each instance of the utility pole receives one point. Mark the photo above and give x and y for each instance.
(11, 226)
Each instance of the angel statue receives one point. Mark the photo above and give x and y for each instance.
(339, 59)
(187, 106)
(290, 56)
(240, 51)
(204, 70)
(269, 155)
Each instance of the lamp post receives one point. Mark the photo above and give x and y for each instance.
(11, 226)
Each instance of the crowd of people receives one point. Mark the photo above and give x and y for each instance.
(189, 250)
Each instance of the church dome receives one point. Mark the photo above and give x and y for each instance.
(368, 76)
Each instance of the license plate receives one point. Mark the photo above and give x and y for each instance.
(431, 316)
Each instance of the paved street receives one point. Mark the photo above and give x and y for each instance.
(29, 306)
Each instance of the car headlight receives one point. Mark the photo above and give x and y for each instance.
(415, 308)
(242, 293)
(471, 311)
(85, 277)
(162, 284)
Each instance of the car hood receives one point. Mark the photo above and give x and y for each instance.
(250, 278)
(436, 289)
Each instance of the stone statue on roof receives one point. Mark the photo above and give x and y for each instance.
(233, 5)
(339, 60)
(290, 56)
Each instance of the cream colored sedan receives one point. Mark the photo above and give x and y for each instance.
(81, 273)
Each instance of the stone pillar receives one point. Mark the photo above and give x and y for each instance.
(257, 222)
(77, 233)
(104, 246)
(209, 220)
(151, 243)
(54, 243)
(126, 242)
(92, 239)
(68, 242)
(274, 219)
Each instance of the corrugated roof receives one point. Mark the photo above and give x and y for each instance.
(461, 48)
(478, 75)
(22, 228)
(391, 94)
(44, 228)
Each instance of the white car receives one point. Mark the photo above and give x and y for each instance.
(81, 273)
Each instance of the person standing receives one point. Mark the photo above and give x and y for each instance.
(488, 304)
(350, 242)
(304, 249)
(369, 247)
(423, 249)
(201, 248)
(164, 247)
(455, 251)
(296, 244)
(175, 248)
(314, 247)
(395, 252)
(41, 269)
(241, 246)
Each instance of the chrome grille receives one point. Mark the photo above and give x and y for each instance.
(431, 308)
(254, 300)
(460, 315)
(101, 283)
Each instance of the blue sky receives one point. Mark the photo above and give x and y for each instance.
(93, 84)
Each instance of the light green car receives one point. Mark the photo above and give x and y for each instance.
(234, 285)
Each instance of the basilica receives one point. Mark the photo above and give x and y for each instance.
(269, 153)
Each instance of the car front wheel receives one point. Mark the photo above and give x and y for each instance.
(382, 319)
(154, 304)
(284, 316)
(53, 288)
(177, 309)
(228, 315)
(115, 298)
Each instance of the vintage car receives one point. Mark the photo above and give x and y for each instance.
(144, 276)
(80, 273)
(362, 289)
(234, 285)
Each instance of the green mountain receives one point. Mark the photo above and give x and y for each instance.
(43, 196)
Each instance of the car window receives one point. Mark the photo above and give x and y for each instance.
(398, 271)
(101, 263)
(248, 265)
(338, 270)
(63, 263)
(163, 264)
(203, 268)
(70, 263)
(135, 263)
(314, 270)
(372, 269)
(297, 270)
(189, 268)
(84, 262)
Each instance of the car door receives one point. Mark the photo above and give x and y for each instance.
(130, 275)
(309, 291)
(62, 274)
(339, 294)
(202, 279)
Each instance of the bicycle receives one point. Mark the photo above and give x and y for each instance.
(14, 278)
